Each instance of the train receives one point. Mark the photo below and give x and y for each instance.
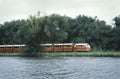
(53, 47)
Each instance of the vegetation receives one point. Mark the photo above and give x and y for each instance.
(82, 54)
(69, 54)
(10, 54)
(55, 28)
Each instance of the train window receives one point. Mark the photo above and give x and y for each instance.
(48, 46)
(58, 46)
(2, 47)
(16, 47)
(8, 47)
(67, 46)
(80, 45)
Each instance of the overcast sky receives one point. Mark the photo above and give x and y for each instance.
(21, 9)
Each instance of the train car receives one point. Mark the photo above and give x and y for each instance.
(82, 47)
(58, 47)
(67, 47)
(47, 47)
(10, 48)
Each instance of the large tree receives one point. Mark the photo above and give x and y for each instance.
(43, 29)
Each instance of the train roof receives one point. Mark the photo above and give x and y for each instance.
(68, 43)
(46, 44)
(63, 44)
(81, 44)
(56, 44)
(11, 45)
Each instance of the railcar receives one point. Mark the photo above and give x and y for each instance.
(82, 47)
(10, 48)
(56, 47)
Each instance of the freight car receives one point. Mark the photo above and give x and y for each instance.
(56, 47)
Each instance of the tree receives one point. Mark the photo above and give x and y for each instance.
(32, 36)
(116, 34)
(57, 26)
(117, 21)
(45, 29)
(9, 31)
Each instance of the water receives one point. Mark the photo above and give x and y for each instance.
(60, 68)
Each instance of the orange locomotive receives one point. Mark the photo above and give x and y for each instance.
(57, 47)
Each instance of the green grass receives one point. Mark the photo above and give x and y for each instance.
(62, 54)
(10, 54)
(83, 54)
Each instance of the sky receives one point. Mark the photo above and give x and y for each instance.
(20, 9)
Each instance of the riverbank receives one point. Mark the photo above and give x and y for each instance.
(83, 54)
(9, 54)
(79, 54)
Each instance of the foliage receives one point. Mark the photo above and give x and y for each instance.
(90, 30)
(117, 21)
(42, 30)
(116, 34)
(80, 54)
(55, 28)
(8, 32)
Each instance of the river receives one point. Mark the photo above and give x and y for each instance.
(60, 68)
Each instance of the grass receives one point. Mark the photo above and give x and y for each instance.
(83, 54)
(62, 54)
(10, 54)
